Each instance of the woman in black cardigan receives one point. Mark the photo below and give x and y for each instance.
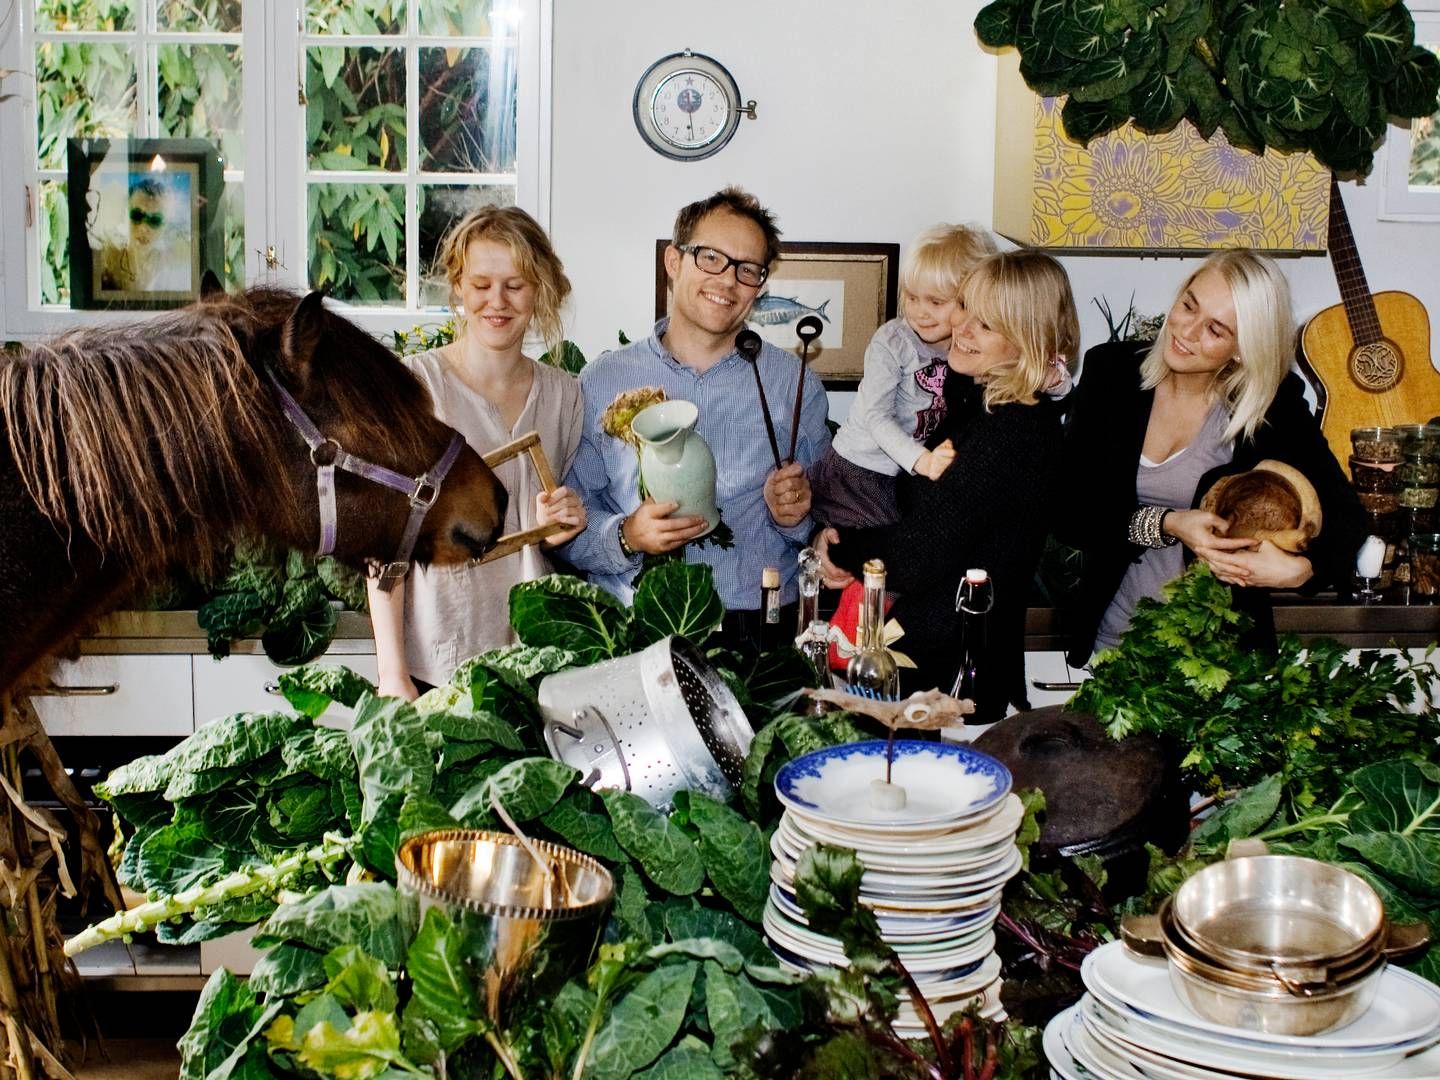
(1215, 386)
(992, 507)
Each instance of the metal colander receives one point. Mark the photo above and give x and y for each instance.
(654, 723)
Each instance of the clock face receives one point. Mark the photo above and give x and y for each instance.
(690, 110)
(687, 106)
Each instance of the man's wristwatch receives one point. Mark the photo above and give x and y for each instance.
(625, 548)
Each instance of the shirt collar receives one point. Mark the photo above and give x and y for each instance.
(661, 350)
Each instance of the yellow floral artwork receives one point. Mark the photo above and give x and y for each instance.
(1171, 192)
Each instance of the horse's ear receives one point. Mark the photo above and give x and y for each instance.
(300, 338)
(210, 286)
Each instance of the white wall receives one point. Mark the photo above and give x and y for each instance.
(875, 121)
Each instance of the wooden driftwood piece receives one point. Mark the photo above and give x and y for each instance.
(33, 969)
(924, 710)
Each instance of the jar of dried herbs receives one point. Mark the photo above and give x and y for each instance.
(1425, 567)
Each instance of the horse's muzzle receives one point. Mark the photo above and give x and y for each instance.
(477, 545)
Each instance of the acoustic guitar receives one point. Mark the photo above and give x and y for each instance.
(1369, 355)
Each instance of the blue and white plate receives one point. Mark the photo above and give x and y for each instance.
(1057, 1054)
(943, 782)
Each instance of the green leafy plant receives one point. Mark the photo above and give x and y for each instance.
(1319, 76)
(1306, 712)
(286, 598)
(683, 986)
(567, 613)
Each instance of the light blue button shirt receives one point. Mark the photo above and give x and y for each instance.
(606, 470)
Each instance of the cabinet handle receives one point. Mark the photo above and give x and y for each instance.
(54, 690)
(1038, 685)
(274, 688)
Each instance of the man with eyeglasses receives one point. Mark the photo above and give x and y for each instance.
(721, 252)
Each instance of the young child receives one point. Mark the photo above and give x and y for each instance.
(900, 402)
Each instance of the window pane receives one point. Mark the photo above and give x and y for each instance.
(357, 241)
(468, 18)
(192, 15)
(1425, 148)
(467, 110)
(199, 95)
(354, 16)
(440, 206)
(84, 14)
(232, 211)
(81, 90)
(53, 223)
(355, 115)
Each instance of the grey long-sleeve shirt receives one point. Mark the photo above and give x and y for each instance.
(900, 401)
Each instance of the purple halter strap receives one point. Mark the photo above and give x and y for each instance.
(327, 455)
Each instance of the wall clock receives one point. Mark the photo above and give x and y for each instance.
(687, 106)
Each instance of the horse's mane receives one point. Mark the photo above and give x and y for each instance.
(126, 432)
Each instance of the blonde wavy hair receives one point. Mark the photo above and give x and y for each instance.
(1025, 297)
(531, 251)
(1264, 339)
(941, 258)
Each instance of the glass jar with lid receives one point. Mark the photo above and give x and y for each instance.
(1379, 445)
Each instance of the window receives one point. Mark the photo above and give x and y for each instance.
(1410, 182)
(352, 132)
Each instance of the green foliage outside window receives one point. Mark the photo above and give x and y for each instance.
(1425, 148)
(355, 121)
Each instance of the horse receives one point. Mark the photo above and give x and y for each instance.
(130, 449)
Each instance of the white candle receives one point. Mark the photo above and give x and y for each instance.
(1371, 558)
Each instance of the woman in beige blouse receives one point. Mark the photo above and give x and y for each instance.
(503, 274)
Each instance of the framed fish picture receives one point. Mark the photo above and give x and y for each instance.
(850, 288)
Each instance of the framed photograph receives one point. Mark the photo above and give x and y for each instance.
(144, 221)
(850, 287)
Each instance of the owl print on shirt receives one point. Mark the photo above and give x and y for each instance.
(931, 378)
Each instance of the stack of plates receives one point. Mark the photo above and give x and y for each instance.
(934, 870)
(1130, 1025)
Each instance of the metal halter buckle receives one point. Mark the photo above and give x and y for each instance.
(325, 452)
(425, 493)
(393, 571)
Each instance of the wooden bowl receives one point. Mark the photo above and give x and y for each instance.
(1273, 501)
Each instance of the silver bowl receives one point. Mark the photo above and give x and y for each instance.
(1271, 912)
(524, 927)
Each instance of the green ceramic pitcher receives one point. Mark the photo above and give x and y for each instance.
(675, 461)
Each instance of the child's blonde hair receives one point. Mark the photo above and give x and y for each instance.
(941, 258)
(1025, 297)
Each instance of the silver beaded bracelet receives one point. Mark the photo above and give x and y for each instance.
(1146, 527)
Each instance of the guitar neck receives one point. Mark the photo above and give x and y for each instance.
(1354, 289)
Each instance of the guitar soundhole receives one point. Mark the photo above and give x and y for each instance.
(1376, 366)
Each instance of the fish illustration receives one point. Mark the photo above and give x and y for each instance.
(772, 310)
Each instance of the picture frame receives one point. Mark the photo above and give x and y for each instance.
(853, 287)
(145, 221)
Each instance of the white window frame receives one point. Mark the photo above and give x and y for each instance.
(1398, 200)
(274, 178)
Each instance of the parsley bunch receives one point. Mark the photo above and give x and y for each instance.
(1307, 711)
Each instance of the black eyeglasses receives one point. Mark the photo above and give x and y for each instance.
(154, 220)
(717, 262)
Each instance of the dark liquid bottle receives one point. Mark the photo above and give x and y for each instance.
(872, 671)
(973, 601)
